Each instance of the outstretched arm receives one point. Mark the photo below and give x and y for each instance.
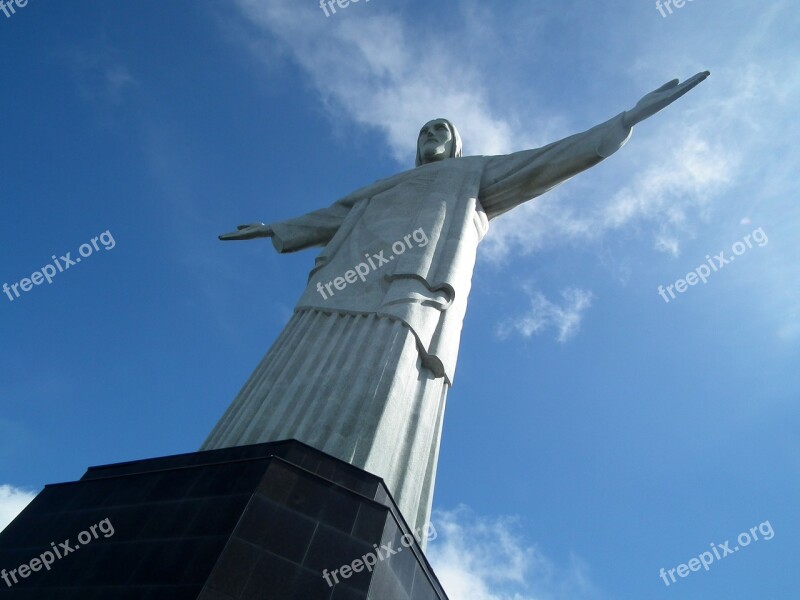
(511, 179)
(316, 228)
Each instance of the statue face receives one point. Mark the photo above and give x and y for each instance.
(435, 141)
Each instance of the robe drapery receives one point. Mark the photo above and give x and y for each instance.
(363, 368)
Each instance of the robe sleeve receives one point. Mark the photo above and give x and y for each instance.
(313, 229)
(508, 180)
(317, 228)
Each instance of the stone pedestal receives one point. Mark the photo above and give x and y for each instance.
(260, 522)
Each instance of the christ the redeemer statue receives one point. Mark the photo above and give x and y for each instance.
(362, 369)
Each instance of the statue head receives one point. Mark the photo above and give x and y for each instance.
(438, 139)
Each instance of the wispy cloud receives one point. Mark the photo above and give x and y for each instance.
(667, 196)
(389, 81)
(98, 72)
(12, 502)
(544, 314)
(668, 244)
(483, 558)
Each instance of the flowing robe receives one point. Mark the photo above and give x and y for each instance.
(362, 369)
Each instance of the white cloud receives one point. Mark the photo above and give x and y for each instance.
(667, 195)
(98, 72)
(543, 314)
(117, 79)
(668, 244)
(482, 558)
(371, 69)
(12, 501)
(666, 190)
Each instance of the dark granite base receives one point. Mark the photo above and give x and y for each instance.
(257, 522)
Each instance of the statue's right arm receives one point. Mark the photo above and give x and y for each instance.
(316, 228)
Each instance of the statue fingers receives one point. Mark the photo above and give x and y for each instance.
(667, 86)
(688, 85)
(233, 235)
(695, 80)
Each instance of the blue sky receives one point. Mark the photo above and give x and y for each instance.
(595, 433)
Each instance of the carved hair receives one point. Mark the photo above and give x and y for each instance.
(456, 152)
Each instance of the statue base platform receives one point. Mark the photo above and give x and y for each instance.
(269, 521)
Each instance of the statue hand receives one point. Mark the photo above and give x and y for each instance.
(248, 232)
(658, 99)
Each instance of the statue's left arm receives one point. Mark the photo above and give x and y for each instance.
(511, 179)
